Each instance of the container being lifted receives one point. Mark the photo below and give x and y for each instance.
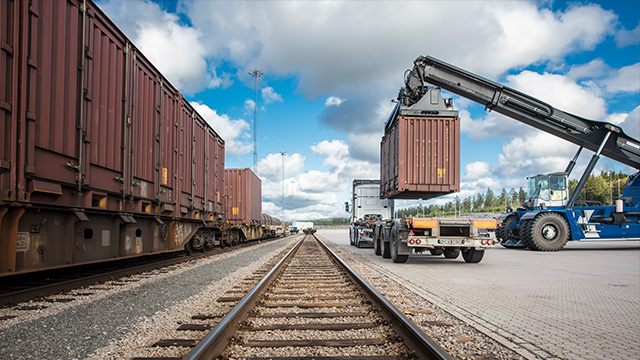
(420, 159)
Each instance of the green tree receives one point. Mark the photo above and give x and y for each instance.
(478, 203)
(522, 196)
(489, 199)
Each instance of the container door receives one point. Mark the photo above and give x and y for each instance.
(53, 87)
(9, 47)
(145, 132)
(104, 109)
(168, 154)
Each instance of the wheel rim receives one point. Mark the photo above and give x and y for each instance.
(549, 232)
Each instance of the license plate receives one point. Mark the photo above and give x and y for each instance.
(451, 241)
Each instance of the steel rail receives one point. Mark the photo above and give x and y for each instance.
(217, 340)
(424, 346)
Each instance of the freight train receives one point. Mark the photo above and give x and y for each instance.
(100, 156)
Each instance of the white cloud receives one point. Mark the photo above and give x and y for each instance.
(270, 168)
(333, 101)
(476, 169)
(626, 37)
(625, 79)
(230, 130)
(334, 47)
(269, 95)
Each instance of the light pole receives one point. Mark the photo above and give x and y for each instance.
(255, 74)
(283, 153)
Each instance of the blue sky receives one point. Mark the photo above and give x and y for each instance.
(332, 68)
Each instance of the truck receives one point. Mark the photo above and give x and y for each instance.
(550, 215)
(367, 210)
(420, 159)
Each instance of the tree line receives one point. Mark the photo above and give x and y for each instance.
(605, 188)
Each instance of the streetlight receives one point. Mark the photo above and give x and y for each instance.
(255, 74)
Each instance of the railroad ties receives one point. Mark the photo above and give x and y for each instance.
(310, 307)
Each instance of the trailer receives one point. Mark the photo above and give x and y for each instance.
(367, 210)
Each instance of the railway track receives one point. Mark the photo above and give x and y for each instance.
(311, 305)
(25, 287)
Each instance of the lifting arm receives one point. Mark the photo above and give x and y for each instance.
(589, 134)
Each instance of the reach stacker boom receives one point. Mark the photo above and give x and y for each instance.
(550, 216)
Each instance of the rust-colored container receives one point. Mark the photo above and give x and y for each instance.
(9, 124)
(244, 197)
(420, 157)
(100, 156)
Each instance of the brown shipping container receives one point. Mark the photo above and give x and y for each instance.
(243, 190)
(98, 125)
(100, 157)
(420, 157)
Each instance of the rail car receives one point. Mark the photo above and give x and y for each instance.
(100, 156)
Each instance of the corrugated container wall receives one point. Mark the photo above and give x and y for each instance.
(244, 196)
(420, 158)
(87, 121)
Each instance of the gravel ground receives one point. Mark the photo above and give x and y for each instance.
(117, 321)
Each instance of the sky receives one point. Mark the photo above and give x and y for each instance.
(332, 68)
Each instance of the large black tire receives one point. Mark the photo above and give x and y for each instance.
(386, 249)
(524, 231)
(436, 252)
(451, 253)
(548, 232)
(377, 248)
(395, 242)
(508, 230)
(472, 256)
(351, 242)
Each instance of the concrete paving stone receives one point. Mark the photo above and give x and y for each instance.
(571, 301)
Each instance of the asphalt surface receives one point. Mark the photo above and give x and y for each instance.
(582, 302)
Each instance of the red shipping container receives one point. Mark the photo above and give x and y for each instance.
(243, 191)
(420, 157)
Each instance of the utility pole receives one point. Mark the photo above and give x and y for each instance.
(255, 74)
(283, 153)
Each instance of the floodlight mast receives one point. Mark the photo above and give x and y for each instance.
(255, 74)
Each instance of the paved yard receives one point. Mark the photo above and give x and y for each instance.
(582, 302)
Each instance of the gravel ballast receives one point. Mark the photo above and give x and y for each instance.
(134, 311)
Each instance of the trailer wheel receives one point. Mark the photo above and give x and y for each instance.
(451, 253)
(395, 243)
(508, 230)
(351, 237)
(384, 241)
(376, 241)
(436, 252)
(548, 232)
(472, 256)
